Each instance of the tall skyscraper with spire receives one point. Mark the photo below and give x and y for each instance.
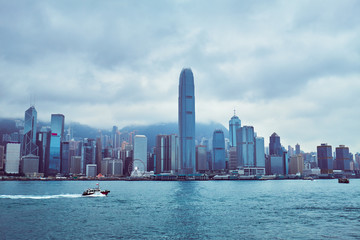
(187, 122)
(234, 123)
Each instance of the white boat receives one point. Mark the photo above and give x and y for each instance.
(95, 191)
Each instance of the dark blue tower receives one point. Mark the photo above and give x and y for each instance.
(187, 122)
(218, 150)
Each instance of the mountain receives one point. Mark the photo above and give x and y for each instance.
(8, 126)
(150, 131)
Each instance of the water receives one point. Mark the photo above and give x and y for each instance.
(287, 209)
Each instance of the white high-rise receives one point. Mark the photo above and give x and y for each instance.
(140, 153)
(12, 161)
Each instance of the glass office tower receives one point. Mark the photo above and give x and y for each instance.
(234, 123)
(57, 132)
(187, 122)
(218, 150)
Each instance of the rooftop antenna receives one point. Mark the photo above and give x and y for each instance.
(234, 112)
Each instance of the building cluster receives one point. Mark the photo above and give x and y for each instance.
(53, 151)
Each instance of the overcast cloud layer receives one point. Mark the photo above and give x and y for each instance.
(291, 67)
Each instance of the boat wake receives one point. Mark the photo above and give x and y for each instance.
(40, 196)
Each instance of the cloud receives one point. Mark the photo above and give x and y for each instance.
(289, 67)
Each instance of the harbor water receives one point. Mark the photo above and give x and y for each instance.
(274, 209)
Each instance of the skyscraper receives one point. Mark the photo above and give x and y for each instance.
(296, 164)
(187, 122)
(57, 132)
(234, 123)
(43, 143)
(325, 159)
(140, 153)
(2, 154)
(12, 161)
(218, 150)
(259, 152)
(167, 153)
(29, 143)
(342, 158)
(88, 153)
(245, 146)
(233, 161)
(278, 158)
(274, 145)
(297, 149)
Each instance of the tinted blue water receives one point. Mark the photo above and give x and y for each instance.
(294, 209)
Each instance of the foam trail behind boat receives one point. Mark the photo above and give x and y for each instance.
(40, 196)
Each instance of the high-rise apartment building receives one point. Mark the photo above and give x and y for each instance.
(218, 145)
(57, 132)
(140, 153)
(234, 124)
(325, 159)
(187, 122)
(29, 142)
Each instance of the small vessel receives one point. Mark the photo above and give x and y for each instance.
(343, 180)
(95, 191)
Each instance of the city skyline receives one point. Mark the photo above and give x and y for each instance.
(289, 68)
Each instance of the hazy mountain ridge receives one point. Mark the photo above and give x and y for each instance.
(8, 126)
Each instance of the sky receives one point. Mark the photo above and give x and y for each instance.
(290, 67)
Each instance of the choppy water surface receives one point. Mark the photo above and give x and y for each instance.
(287, 209)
